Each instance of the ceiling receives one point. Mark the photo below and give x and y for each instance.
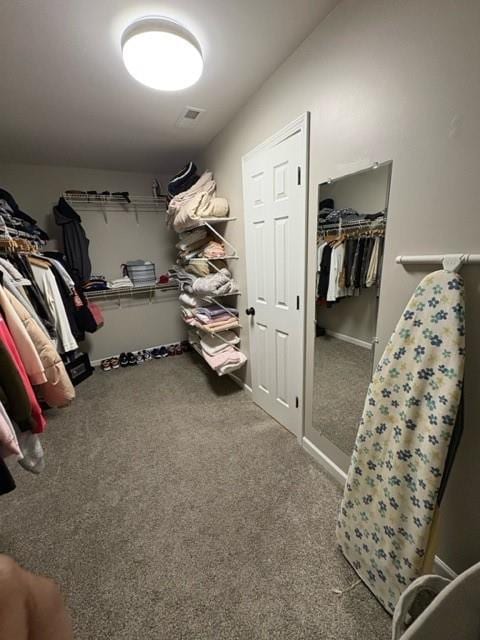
(67, 99)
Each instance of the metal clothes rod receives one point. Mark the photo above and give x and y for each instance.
(467, 258)
(369, 225)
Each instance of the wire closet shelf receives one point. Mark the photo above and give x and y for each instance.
(130, 291)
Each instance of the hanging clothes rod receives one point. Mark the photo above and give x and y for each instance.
(377, 223)
(467, 258)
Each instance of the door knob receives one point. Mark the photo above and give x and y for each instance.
(250, 311)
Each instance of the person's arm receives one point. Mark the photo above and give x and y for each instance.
(31, 606)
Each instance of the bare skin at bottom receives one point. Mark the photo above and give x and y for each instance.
(31, 606)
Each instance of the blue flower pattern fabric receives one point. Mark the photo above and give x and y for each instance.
(399, 455)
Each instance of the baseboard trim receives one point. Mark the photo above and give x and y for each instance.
(96, 363)
(345, 338)
(324, 461)
(440, 567)
(240, 383)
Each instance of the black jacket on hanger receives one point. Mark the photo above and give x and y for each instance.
(75, 241)
(324, 272)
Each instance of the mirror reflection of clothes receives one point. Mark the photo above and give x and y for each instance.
(346, 267)
(324, 278)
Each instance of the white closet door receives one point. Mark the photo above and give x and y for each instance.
(274, 178)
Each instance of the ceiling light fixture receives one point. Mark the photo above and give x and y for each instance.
(161, 54)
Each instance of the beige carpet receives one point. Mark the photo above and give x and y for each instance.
(342, 374)
(173, 508)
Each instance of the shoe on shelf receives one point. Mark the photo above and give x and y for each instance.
(123, 360)
(115, 362)
(132, 359)
(163, 352)
(146, 355)
(106, 365)
(139, 357)
(178, 349)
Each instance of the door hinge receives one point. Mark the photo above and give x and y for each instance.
(299, 175)
(296, 402)
(298, 303)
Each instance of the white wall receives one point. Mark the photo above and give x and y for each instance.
(135, 323)
(366, 192)
(391, 80)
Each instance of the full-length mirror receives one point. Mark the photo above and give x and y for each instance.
(352, 217)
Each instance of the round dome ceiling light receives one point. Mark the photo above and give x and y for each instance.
(161, 54)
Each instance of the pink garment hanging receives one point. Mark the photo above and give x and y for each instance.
(7, 340)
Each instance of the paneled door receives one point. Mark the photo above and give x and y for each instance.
(275, 211)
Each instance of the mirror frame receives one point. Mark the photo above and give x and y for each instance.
(335, 461)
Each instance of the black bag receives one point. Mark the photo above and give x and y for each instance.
(78, 367)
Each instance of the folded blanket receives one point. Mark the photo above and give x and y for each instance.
(213, 250)
(218, 283)
(232, 323)
(212, 322)
(187, 312)
(182, 278)
(232, 366)
(215, 310)
(200, 269)
(120, 283)
(183, 180)
(187, 300)
(192, 239)
(226, 361)
(213, 344)
(203, 205)
(205, 184)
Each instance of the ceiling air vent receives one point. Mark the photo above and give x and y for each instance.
(189, 117)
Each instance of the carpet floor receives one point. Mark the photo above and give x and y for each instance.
(172, 507)
(341, 377)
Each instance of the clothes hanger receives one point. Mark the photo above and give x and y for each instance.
(44, 264)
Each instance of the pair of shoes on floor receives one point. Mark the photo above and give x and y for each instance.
(159, 352)
(110, 363)
(171, 350)
(143, 356)
(128, 359)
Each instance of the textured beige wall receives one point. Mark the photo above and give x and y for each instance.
(135, 323)
(391, 80)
